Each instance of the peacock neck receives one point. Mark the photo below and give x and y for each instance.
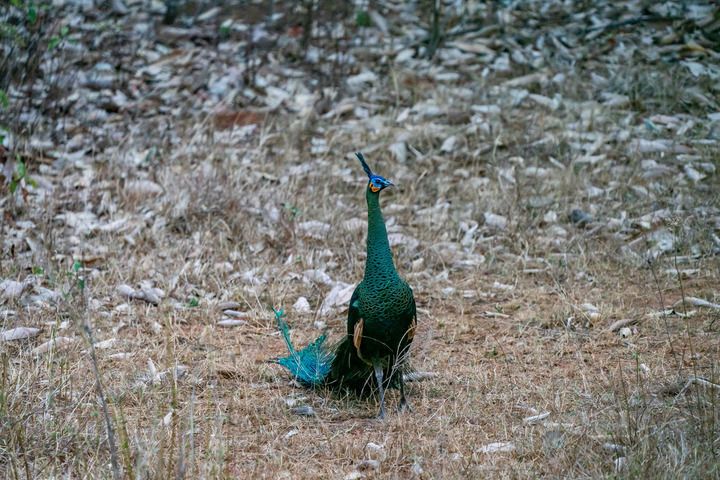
(379, 264)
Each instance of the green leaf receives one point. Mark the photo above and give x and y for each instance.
(54, 42)
(294, 211)
(64, 30)
(150, 155)
(77, 266)
(4, 100)
(38, 271)
(31, 14)
(16, 3)
(362, 19)
(13, 186)
(81, 283)
(193, 302)
(20, 169)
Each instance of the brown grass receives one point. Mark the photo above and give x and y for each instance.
(501, 355)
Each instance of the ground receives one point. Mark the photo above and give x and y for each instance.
(174, 171)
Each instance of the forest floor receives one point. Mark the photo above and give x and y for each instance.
(169, 176)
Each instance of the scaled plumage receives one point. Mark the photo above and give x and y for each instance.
(381, 320)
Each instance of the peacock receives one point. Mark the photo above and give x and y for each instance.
(381, 323)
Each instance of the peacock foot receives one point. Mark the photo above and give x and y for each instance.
(404, 406)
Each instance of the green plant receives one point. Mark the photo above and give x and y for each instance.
(4, 100)
(30, 37)
(19, 176)
(55, 40)
(362, 19)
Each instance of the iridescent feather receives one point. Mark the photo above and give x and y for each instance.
(311, 365)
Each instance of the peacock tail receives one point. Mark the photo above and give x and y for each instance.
(337, 366)
(311, 365)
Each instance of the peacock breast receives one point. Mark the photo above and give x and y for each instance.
(387, 307)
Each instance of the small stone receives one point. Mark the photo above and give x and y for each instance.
(105, 344)
(304, 410)
(621, 323)
(375, 451)
(301, 305)
(417, 264)
(495, 221)
(12, 290)
(225, 267)
(497, 447)
(151, 295)
(502, 286)
(553, 440)
(314, 229)
(230, 322)
(56, 344)
(550, 217)
(449, 144)
(291, 433)
(579, 218)
(118, 6)
(369, 465)
(448, 290)
(536, 418)
(228, 305)
(317, 276)
(126, 291)
(614, 447)
(143, 188)
(19, 333)
(121, 356)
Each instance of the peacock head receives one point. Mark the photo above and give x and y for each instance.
(376, 183)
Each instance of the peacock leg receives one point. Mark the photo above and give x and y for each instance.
(379, 377)
(404, 404)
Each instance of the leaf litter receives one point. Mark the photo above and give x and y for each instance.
(204, 157)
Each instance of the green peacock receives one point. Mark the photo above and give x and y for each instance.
(381, 323)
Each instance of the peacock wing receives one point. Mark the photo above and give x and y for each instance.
(354, 314)
(409, 317)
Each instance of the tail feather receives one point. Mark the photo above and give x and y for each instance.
(350, 372)
(284, 329)
(338, 366)
(310, 365)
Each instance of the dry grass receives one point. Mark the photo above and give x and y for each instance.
(501, 355)
(226, 228)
